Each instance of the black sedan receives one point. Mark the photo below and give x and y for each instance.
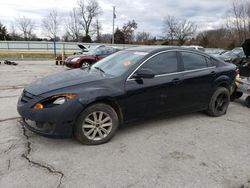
(129, 85)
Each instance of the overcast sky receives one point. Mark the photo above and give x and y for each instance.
(208, 14)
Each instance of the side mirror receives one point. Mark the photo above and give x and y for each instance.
(144, 73)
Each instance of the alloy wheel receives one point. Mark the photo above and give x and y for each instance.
(85, 65)
(97, 125)
(221, 103)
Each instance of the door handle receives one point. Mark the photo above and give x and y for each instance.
(176, 81)
(213, 73)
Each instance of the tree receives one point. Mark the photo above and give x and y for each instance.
(128, 31)
(184, 30)
(169, 28)
(26, 26)
(73, 27)
(239, 20)
(13, 34)
(119, 36)
(3, 32)
(86, 38)
(88, 11)
(51, 24)
(143, 38)
(97, 27)
(216, 38)
(178, 29)
(106, 38)
(203, 39)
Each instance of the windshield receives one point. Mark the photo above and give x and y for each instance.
(92, 50)
(118, 63)
(230, 53)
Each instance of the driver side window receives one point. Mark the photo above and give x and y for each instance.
(163, 63)
(100, 51)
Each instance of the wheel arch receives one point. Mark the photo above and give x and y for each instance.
(108, 101)
(223, 81)
(90, 61)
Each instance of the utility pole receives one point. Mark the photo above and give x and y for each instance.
(114, 17)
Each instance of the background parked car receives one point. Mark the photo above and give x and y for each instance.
(238, 56)
(215, 51)
(61, 57)
(195, 47)
(232, 55)
(94, 54)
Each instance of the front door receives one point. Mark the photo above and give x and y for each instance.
(149, 96)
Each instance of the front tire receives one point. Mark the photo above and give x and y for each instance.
(97, 124)
(85, 65)
(219, 102)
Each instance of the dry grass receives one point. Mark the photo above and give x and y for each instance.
(29, 54)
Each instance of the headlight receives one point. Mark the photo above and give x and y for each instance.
(75, 59)
(54, 101)
(60, 100)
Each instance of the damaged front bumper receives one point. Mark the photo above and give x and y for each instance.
(55, 122)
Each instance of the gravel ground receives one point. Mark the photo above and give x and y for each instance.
(191, 150)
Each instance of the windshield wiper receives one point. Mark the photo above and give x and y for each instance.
(98, 68)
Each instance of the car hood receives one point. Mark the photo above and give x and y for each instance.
(62, 80)
(79, 55)
(81, 46)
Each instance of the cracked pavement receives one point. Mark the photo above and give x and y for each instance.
(191, 150)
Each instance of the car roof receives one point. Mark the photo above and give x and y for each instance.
(155, 49)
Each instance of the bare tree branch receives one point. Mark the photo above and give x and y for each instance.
(239, 20)
(97, 27)
(26, 26)
(88, 11)
(143, 37)
(128, 31)
(73, 27)
(169, 28)
(180, 30)
(51, 24)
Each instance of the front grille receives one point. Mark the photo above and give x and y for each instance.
(26, 96)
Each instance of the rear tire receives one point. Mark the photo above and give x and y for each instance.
(97, 124)
(56, 62)
(247, 101)
(219, 102)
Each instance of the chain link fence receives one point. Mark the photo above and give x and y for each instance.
(48, 45)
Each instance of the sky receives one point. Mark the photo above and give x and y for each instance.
(207, 14)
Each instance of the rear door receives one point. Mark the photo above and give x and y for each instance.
(198, 76)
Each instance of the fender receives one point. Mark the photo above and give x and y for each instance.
(223, 80)
(98, 94)
(103, 95)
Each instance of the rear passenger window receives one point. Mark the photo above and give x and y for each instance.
(209, 62)
(163, 63)
(214, 62)
(193, 61)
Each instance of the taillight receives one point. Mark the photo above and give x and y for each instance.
(237, 70)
